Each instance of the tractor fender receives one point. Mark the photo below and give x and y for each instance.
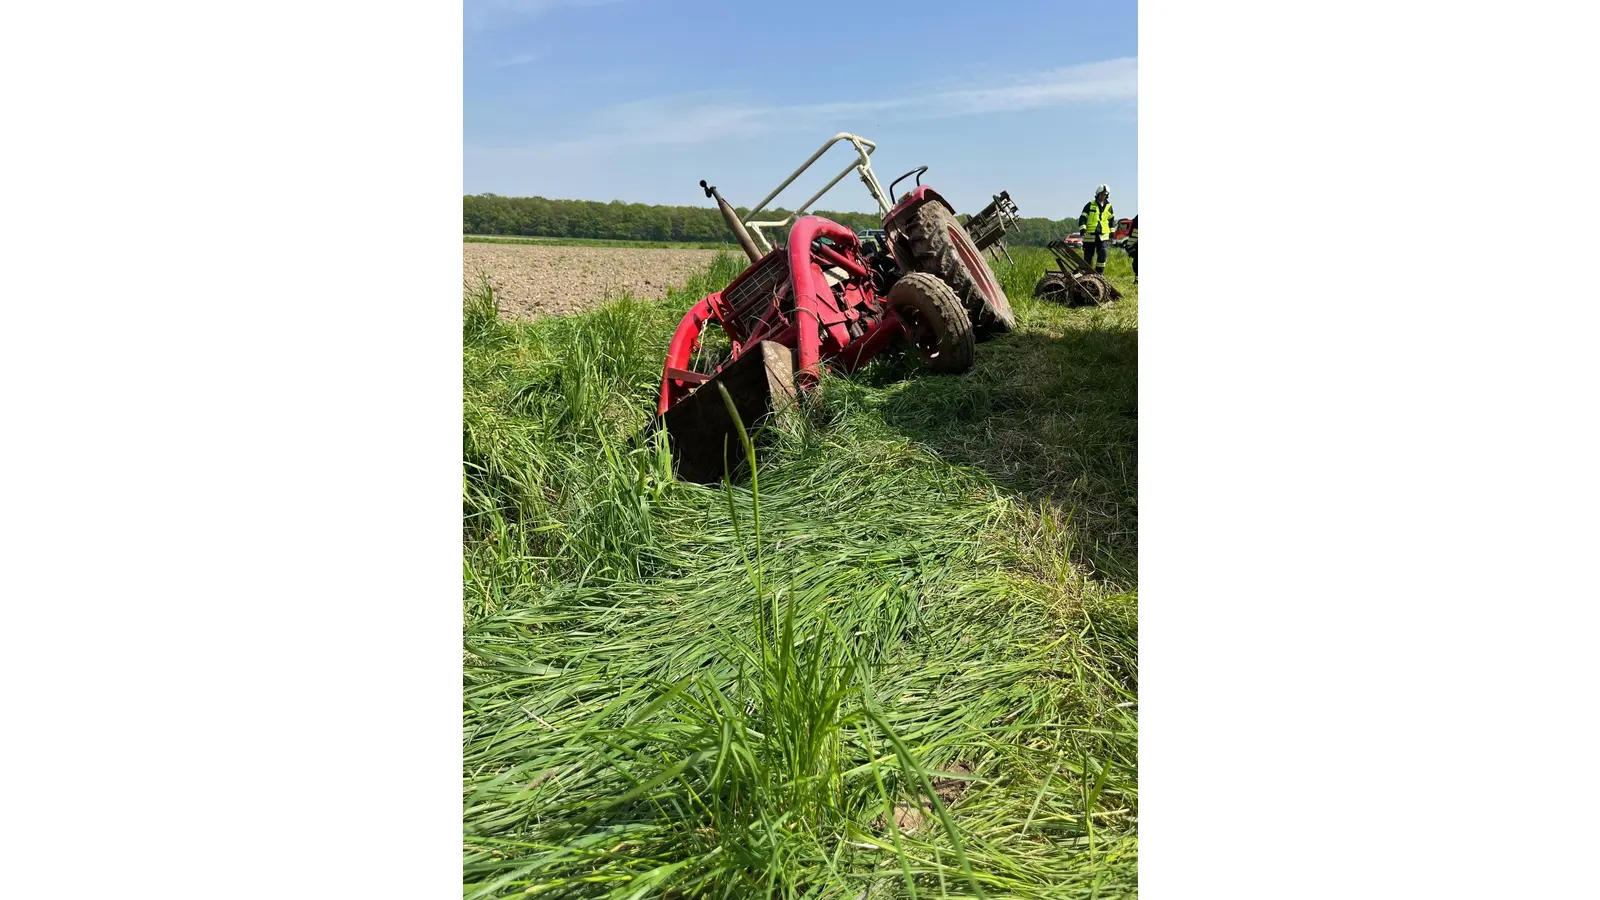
(918, 196)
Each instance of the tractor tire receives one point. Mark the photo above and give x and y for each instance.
(937, 326)
(937, 245)
(1053, 287)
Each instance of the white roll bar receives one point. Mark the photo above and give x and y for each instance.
(862, 164)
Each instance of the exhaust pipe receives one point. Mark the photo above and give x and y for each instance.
(734, 225)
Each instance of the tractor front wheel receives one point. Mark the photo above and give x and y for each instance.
(937, 244)
(936, 323)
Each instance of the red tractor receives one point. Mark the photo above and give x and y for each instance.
(825, 300)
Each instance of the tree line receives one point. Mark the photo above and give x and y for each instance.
(491, 214)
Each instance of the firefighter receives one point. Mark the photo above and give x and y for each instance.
(1132, 246)
(1097, 222)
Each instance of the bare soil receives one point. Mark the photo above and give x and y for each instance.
(909, 818)
(531, 281)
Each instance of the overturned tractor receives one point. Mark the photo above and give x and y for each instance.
(824, 300)
(1074, 282)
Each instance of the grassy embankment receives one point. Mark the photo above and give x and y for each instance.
(902, 663)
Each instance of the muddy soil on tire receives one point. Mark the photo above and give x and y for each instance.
(531, 281)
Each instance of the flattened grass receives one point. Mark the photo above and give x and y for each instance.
(916, 677)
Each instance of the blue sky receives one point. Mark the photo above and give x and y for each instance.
(637, 100)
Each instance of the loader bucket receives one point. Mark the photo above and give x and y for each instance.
(703, 437)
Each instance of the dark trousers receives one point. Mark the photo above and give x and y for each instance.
(1091, 246)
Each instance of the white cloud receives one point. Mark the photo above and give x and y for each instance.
(519, 60)
(1116, 79)
(709, 116)
(483, 13)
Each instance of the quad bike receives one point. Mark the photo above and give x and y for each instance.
(1074, 282)
(824, 300)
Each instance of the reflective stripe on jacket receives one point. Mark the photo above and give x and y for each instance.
(1097, 221)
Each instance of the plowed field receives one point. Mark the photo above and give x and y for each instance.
(531, 280)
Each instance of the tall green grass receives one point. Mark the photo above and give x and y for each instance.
(900, 661)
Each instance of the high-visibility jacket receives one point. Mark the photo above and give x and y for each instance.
(1097, 221)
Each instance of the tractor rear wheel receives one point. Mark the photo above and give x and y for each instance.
(936, 323)
(938, 245)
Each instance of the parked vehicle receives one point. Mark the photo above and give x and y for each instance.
(873, 239)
